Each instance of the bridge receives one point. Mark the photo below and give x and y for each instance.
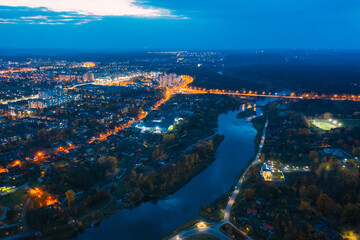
(333, 97)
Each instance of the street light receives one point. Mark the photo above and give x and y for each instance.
(201, 225)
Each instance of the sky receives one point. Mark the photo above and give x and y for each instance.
(179, 24)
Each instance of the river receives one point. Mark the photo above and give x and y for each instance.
(154, 220)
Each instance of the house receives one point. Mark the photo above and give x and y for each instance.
(268, 227)
(251, 211)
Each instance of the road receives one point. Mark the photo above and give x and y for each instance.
(215, 228)
(37, 95)
(80, 84)
(212, 230)
(239, 183)
(20, 99)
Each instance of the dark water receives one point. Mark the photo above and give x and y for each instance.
(156, 220)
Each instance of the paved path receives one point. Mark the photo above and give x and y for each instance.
(5, 209)
(215, 229)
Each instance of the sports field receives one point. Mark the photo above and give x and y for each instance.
(323, 125)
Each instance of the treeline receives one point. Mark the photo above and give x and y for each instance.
(318, 108)
(55, 219)
(48, 219)
(84, 176)
(167, 179)
(347, 138)
(304, 77)
(210, 79)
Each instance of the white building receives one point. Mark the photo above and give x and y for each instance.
(169, 80)
(88, 77)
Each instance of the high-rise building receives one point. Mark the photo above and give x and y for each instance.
(88, 77)
(169, 80)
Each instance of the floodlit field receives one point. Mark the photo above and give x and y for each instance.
(323, 125)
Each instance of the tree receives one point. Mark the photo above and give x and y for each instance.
(249, 194)
(159, 154)
(304, 206)
(312, 192)
(314, 155)
(327, 115)
(109, 164)
(113, 187)
(356, 151)
(325, 203)
(169, 139)
(351, 213)
(70, 196)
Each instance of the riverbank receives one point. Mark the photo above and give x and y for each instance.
(220, 209)
(161, 217)
(180, 172)
(214, 211)
(113, 206)
(246, 113)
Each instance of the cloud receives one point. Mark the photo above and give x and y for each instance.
(75, 11)
(41, 16)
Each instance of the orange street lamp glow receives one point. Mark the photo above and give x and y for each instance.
(201, 225)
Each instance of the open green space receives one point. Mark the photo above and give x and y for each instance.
(351, 122)
(13, 199)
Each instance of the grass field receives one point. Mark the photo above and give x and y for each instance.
(351, 122)
(13, 199)
(323, 125)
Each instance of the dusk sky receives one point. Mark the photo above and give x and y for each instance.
(175, 24)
